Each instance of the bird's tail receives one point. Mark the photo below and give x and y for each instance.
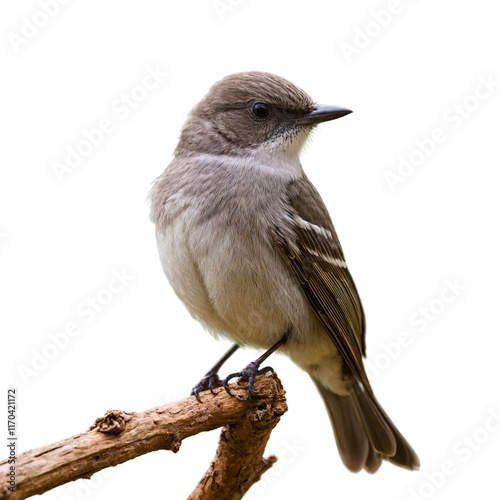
(364, 433)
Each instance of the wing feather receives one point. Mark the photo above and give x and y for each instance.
(309, 243)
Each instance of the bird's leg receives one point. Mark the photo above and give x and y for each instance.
(211, 379)
(252, 370)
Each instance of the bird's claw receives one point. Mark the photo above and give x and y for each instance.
(209, 382)
(248, 373)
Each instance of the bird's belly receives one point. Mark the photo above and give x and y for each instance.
(235, 284)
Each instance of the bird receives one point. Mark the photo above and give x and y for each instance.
(248, 246)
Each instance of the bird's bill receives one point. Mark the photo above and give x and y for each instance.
(322, 113)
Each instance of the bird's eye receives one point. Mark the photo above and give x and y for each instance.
(260, 110)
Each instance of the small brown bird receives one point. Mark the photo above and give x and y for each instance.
(247, 244)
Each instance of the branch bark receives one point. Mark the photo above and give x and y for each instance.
(119, 436)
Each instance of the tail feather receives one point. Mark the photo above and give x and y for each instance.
(375, 422)
(364, 433)
(373, 461)
(350, 436)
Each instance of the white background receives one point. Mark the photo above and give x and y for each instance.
(60, 240)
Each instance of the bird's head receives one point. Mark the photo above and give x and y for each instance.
(252, 110)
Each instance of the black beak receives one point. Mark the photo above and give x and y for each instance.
(322, 113)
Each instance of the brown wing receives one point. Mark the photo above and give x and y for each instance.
(308, 241)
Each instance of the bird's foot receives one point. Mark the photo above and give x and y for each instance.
(248, 373)
(210, 381)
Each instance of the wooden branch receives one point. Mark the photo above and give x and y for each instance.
(238, 462)
(119, 436)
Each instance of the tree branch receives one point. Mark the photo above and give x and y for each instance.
(119, 436)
